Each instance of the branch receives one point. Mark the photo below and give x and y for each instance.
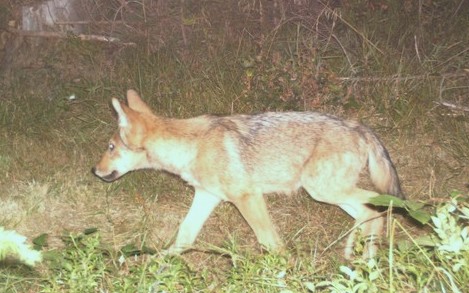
(82, 37)
(453, 106)
(401, 78)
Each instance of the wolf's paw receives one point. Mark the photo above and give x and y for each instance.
(173, 250)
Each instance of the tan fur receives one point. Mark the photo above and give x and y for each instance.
(240, 158)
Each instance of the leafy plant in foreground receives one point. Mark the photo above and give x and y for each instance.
(436, 262)
(80, 267)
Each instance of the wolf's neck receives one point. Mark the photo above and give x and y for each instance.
(172, 145)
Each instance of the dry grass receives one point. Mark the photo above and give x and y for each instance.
(362, 64)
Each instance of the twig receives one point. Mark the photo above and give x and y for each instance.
(401, 78)
(82, 37)
(337, 15)
(453, 106)
(88, 22)
(417, 49)
(457, 9)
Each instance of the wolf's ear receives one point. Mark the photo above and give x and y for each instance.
(120, 109)
(131, 130)
(136, 103)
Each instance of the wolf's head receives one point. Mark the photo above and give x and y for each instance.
(126, 150)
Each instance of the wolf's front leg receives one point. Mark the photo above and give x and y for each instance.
(254, 210)
(202, 206)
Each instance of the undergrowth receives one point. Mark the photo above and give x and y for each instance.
(435, 262)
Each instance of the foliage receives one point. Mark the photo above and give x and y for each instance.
(434, 262)
(414, 209)
(429, 263)
(88, 265)
(80, 267)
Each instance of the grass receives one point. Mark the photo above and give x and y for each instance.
(435, 262)
(387, 65)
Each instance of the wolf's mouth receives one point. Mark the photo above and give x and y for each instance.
(108, 178)
(111, 177)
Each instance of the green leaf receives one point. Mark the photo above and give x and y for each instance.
(456, 194)
(421, 216)
(130, 250)
(426, 240)
(384, 200)
(405, 245)
(53, 255)
(89, 231)
(148, 250)
(414, 206)
(310, 286)
(40, 241)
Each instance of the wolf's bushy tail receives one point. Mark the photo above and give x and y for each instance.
(382, 171)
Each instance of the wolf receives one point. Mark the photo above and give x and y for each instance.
(240, 158)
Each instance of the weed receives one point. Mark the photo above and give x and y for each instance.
(80, 267)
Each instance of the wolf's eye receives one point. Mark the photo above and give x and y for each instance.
(111, 146)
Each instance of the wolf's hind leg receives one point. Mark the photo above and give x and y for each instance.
(254, 210)
(333, 180)
(368, 220)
